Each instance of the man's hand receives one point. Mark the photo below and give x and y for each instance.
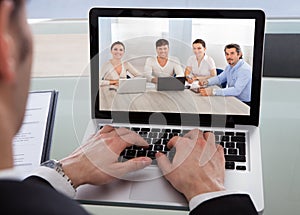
(154, 80)
(114, 82)
(96, 162)
(206, 91)
(190, 80)
(203, 82)
(198, 165)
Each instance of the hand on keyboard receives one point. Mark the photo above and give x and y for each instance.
(198, 165)
(96, 162)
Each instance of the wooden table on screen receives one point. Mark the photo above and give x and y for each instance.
(171, 102)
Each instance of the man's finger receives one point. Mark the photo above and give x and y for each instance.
(220, 150)
(132, 165)
(132, 138)
(209, 137)
(106, 129)
(194, 134)
(163, 163)
(173, 141)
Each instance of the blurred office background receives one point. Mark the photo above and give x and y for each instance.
(79, 8)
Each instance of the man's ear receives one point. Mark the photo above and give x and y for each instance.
(7, 61)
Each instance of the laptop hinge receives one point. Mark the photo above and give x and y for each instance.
(105, 121)
(230, 122)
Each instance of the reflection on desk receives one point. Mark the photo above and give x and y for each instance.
(170, 102)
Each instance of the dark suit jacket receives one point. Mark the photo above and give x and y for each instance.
(35, 196)
(235, 204)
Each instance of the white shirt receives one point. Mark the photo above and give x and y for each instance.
(61, 185)
(108, 72)
(54, 178)
(204, 68)
(154, 69)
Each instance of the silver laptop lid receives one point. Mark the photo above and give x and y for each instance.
(132, 86)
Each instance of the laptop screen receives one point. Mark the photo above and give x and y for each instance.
(218, 52)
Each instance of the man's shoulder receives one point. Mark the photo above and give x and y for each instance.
(245, 65)
(174, 59)
(245, 69)
(16, 193)
(151, 59)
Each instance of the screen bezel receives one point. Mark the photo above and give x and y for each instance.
(174, 118)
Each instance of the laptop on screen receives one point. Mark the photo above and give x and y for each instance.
(170, 83)
(159, 115)
(132, 85)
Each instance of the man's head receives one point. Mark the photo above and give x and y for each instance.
(233, 53)
(162, 48)
(15, 62)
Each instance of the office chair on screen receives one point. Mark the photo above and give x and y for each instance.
(219, 71)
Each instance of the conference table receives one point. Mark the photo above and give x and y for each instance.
(185, 101)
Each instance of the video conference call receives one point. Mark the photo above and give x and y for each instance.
(173, 65)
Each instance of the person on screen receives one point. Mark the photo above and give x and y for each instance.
(237, 74)
(50, 188)
(162, 65)
(199, 66)
(115, 68)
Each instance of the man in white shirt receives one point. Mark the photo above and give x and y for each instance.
(97, 161)
(162, 65)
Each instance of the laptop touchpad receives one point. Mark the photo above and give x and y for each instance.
(156, 190)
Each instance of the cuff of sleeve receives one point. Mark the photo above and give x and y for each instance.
(219, 92)
(197, 200)
(56, 180)
(208, 82)
(12, 174)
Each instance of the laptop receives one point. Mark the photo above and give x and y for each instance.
(235, 124)
(170, 83)
(132, 85)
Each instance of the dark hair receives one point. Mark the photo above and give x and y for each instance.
(237, 48)
(200, 41)
(16, 8)
(161, 42)
(14, 16)
(117, 43)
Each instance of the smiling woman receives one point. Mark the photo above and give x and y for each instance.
(115, 68)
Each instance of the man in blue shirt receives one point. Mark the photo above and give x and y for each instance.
(238, 75)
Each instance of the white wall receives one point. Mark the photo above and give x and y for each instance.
(139, 36)
(79, 8)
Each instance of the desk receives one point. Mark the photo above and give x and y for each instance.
(170, 102)
(280, 123)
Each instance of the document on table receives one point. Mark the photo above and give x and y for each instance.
(32, 143)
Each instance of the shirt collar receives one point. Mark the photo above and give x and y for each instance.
(11, 174)
(237, 65)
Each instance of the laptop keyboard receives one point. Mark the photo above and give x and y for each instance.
(234, 144)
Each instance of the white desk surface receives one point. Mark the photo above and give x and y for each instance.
(280, 123)
(184, 101)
